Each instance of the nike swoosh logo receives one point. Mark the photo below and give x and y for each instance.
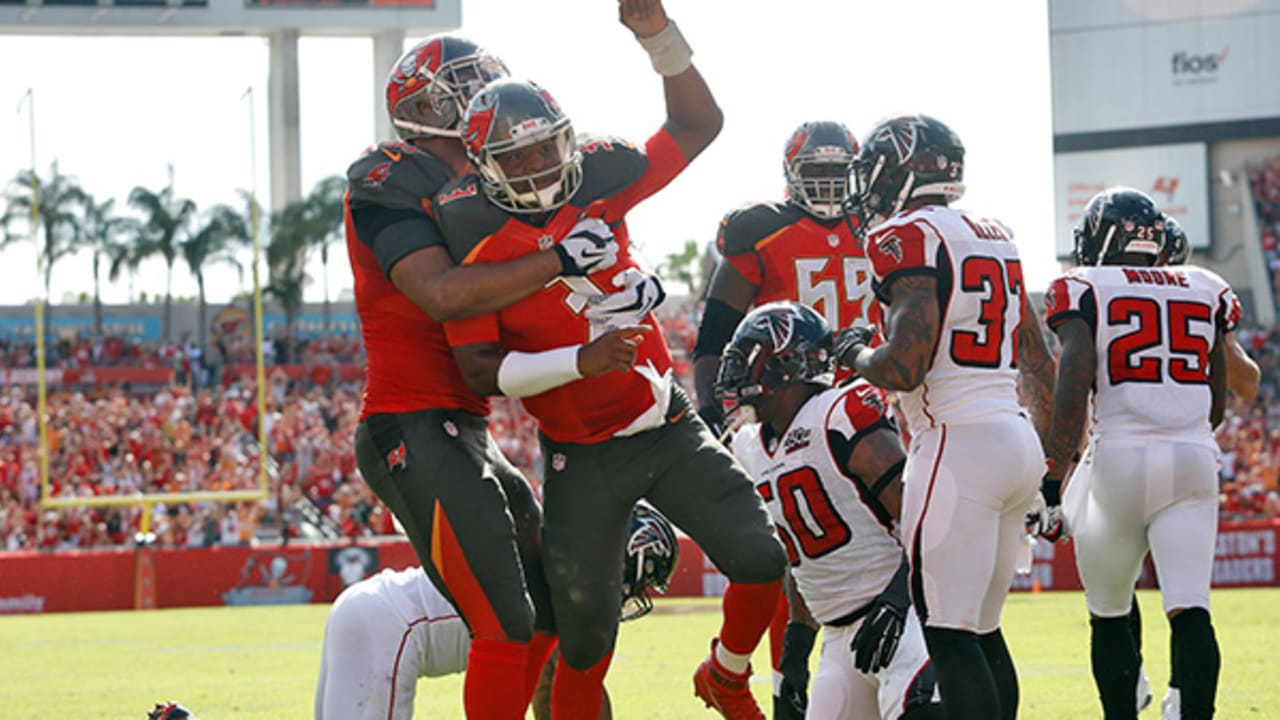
(395, 156)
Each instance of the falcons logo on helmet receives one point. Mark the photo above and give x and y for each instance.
(780, 327)
(903, 134)
(648, 538)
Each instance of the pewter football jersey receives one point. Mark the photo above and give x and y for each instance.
(842, 554)
(980, 297)
(1153, 330)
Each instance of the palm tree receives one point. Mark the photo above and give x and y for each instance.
(323, 225)
(101, 231)
(681, 266)
(124, 257)
(287, 260)
(58, 201)
(223, 232)
(164, 223)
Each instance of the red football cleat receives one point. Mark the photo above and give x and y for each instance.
(725, 691)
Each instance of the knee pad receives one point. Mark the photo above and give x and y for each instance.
(760, 559)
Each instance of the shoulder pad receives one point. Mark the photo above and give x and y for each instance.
(742, 228)
(397, 175)
(465, 216)
(609, 165)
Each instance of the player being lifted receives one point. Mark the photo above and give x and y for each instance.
(958, 340)
(615, 427)
(422, 443)
(386, 631)
(828, 462)
(801, 250)
(1146, 345)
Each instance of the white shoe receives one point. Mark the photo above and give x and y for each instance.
(1171, 708)
(1144, 691)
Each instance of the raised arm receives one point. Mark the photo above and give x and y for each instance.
(693, 118)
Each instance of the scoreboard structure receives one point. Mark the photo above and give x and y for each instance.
(282, 22)
(1176, 98)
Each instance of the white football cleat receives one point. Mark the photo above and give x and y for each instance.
(1144, 690)
(1171, 708)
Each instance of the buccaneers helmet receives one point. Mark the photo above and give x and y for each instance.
(170, 711)
(816, 163)
(430, 86)
(652, 555)
(902, 158)
(512, 115)
(1176, 250)
(776, 344)
(1116, 221)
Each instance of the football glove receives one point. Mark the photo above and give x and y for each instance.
(876, 641)
(1047, 520)
(792, 699)
(851, 341)
(640, 293)
(589, 247)
(170, 711)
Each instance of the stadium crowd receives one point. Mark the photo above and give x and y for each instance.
(187, 436)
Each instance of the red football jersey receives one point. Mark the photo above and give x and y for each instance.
(616, 177)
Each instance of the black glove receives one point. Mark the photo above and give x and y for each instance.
(876, 641)
(792, 699)
(713, 416)
(851, 341)
(589, 247)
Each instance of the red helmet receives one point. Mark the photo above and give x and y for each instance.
(817, 162)
(430, 86)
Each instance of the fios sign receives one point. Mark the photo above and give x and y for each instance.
(1188, 68)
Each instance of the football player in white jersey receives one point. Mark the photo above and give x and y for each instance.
(1147, 345)
(828, 463)
(959, 341)
(388, 630)
(1242, 378)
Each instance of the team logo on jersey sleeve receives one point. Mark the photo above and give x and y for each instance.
(891, 246)
(377, 176)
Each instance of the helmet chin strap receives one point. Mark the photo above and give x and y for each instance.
(1106, 245)
(420, 130)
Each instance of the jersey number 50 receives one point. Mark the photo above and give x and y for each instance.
(812, 520)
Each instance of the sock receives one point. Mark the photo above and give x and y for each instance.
(747, 608)
(535, 659)
(1173, 663)
(1115, 666)
(778, 629)
(577, 694)
(736, 663)
(968, 689)
(1135, 626)
(491, 664)
(1002, 671)
(1197, 660)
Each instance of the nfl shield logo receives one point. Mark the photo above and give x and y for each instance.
(557, 462)
(833, 240)
(450, 428)
(545, 242)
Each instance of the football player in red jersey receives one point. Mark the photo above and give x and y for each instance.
(801, 250)
(422, 443)
(597, 374)
(959, 343)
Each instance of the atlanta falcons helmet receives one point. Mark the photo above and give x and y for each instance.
(905, 157)
(816, 162)
(1176, 250)
(652, 555)
(511, 115)
(1117, 221)
(776, 344)
(430, 86)
(170, 711)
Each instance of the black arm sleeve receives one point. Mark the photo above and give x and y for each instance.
(392, 233)
(719, 320)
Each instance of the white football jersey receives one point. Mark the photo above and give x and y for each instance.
(420, 609)
(1153, 329)
(842, 555)
(980, 294)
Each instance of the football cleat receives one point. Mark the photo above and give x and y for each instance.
(1144, 690)
(1171, 708)
(725, 691)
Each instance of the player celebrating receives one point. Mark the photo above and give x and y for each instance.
(422, 443)
(958, 339)
(385, 632)
(1147, 346)
(828, 463)
(801, 250)
(597, 375)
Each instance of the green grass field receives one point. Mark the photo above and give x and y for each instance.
(260, 663)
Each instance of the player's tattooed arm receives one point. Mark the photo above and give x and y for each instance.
(1036, 370)
(1219, 371)
(902, 362)
(1076, 371)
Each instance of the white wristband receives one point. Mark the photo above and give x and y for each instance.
(668, 50)
(524, 374)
